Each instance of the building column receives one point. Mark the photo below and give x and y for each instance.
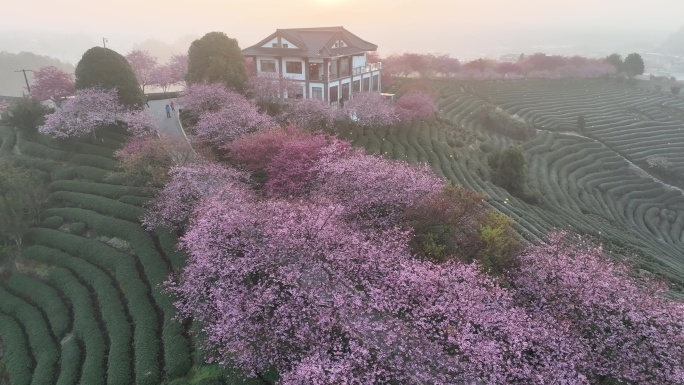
(326, 79)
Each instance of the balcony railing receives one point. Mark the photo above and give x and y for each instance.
(370, 67)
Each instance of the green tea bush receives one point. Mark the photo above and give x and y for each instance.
(81, 172)
(7, 139)
(99, 204)
(43, 347)
(70, 359)
(134, 200)
(95, 161)
(46, 298)
(78, 228)
(40, 151)
(102, 189)
(17, 359)
(52, 222)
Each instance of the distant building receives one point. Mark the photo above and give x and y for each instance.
(329, 62)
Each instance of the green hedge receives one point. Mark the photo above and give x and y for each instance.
(169, 244)
(17, 357)
(81, 172)
(8, 138)
(70, 360)
(110, 304)
(46, 298)
(95, 161)
(78, 228)
(85, 327)
(136, 291)
(161, 95)
(40, 151)
(90, 149)
(176, 346)
(134, 200)
(45, 165)
(102, 189)
(42, 345)
(52, 222)
(99, 204)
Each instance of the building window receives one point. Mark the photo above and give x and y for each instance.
(274, 45)
(345, 92)
(366, 84)
(268, 66)
(376, 83)
(356, 86)
(285, 45)
(299, 93)
(333, 94)
(317, 93)
(293, 67)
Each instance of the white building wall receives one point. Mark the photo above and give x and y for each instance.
(289, 44)
(260, 58)
(300, 76)
(270, 43)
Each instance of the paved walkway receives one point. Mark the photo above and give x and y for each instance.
(166, 126)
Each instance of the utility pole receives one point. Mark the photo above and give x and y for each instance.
(26, 79)
(104, 42)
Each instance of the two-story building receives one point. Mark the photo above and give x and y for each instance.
(329, 62)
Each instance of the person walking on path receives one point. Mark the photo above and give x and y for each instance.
(171, 104)
(168, 111)
(147, 101)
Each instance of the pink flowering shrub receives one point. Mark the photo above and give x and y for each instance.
(372, 189)
(254, 151)
(415, 105)
(310, 114)
(627, 329)
(291, 170)
(292, 285)
(92, 109)
(369, 109)
(199, 98)
(237, 117)
(187, 186)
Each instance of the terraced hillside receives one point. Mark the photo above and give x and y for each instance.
(81, 305)
(586, 183)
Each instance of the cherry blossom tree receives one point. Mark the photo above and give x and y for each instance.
(415, 105)
(311, 114)
(254, 151)
(51, 83)
(369, 109)
(628, 330)
(178, 66)
(506, 68)
(291, 171)
(268, 87)
(90, 110)
(143, 65)
(188, 185)
(3, 106)
(162, 77)
(237, 117)
(153, 155)
(200, 97)
(293, 285)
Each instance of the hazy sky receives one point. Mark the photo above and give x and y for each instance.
(458, 27)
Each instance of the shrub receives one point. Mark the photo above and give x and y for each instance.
(511, 172)
(26, 114)
(52, 222)
(95, 161)
(78, 228)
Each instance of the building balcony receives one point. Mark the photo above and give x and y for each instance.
(370, 67)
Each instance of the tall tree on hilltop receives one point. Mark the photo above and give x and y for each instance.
(615, 60)
(104, 68)
(216, 58)
(53, 84)
(633, 65)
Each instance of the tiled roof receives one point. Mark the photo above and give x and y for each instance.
(312, 43)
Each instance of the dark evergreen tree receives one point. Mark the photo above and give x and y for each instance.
(25, 114)
(633, 65)
(216, 58)
(615, 60)
(511, 170)
(102, 67)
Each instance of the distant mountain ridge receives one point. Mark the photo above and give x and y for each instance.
(675, 43)
(13, 83)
